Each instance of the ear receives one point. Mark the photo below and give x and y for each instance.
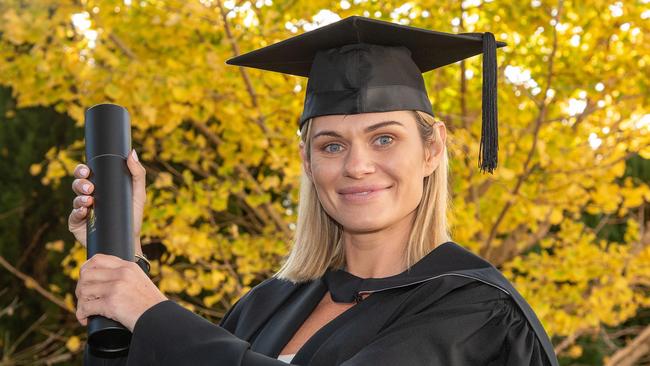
(306, 165)
(433, 149)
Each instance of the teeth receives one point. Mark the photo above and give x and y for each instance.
(362, 193)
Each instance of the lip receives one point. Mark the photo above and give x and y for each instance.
(362, 193)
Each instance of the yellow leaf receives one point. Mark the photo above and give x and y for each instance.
(56, 246)
(113, 91)
(14, 29)
(271, 182)
(35, 169)
(73, 344)
(618, 169)
(211, 299)
(30, 283)
(575, 351)
(163, 180)
(69, 302)
(556, 216)
(645, 152)
(506, 174)
(54, 288)
(180, 93)
(193, 289)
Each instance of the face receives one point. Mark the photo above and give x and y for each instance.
(368, 169)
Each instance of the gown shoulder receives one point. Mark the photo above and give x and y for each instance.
(259, 294)
(474, 324)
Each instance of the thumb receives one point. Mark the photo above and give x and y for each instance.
(138, 172)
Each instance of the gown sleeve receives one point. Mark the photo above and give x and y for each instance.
(466, 329)
(461, 332)
(169, 334)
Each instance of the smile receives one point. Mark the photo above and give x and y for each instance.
(362, 196)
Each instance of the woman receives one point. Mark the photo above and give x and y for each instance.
(372, 277)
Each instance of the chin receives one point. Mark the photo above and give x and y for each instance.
(362, 224)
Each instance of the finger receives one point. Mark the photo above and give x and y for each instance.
(102, 275)
(82, 201)
(77, 216)
(81, 171)
(101, 260)
(92, 291)
(82, 186)
(94, 306)
(139, 175)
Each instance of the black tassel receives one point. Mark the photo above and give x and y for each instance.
(488, 154)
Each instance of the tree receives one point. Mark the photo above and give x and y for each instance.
(36, 301)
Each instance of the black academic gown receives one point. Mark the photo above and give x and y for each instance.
(452, 308)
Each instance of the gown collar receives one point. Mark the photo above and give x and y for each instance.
(446, 257)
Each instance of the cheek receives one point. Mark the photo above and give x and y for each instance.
(325, 173)
(408, 175)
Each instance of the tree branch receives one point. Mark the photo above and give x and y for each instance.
(122, 46)
(637, 348)
(568, 341)
(593, 167)
(244, 74)
(12, 212)
(31, 283)
(509, 249)
(35, 239)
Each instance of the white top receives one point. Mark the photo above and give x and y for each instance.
(286, 358)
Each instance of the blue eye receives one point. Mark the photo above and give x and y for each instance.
(385, 140)
(329, 148)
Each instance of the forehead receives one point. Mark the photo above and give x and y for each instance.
(359, 121)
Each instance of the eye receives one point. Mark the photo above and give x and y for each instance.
(332, 148)
(384, 140)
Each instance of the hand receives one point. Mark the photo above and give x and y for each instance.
(84, 199)
(114, 288)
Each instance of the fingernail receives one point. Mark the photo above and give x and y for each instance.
(83, 172)
(86, 187)
(135, 155)
(84, 199)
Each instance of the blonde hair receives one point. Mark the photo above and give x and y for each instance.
(317, 242)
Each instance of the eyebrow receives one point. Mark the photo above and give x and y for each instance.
(371, 128)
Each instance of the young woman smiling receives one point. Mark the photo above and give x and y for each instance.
(372, 277)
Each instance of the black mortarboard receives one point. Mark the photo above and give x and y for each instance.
(359, 65)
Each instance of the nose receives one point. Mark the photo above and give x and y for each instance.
(358, 162)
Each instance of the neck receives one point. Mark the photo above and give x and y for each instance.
(379, 253)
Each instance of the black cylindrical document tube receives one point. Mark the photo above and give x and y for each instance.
(110, 219)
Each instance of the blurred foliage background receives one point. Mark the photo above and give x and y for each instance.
(565, 216)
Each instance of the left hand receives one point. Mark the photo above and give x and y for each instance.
(114, 288)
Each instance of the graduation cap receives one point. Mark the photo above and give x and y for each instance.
(359, 65)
